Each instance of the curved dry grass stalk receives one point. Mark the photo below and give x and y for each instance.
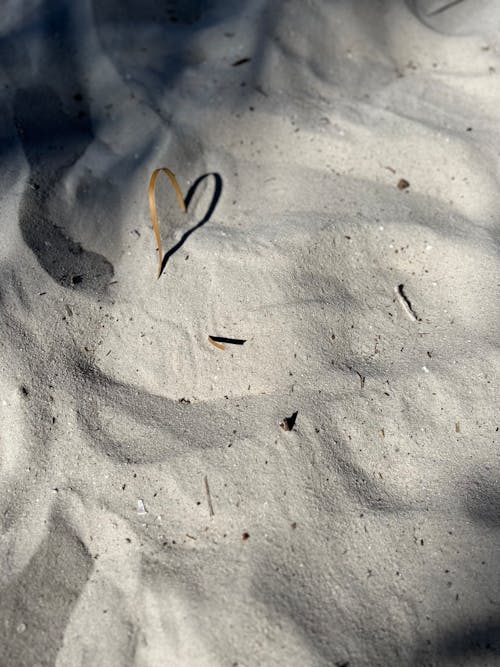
(152, 206)
(214, 342)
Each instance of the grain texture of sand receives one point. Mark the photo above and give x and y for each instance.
(326, 492)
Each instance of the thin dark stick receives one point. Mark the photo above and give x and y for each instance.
(406, 303)
(207, 489)
(229, 341)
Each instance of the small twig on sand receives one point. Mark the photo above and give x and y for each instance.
(362, 379)
(216, 344)
(152, 207)
(405, 304)
(209, 498)
(222, 341)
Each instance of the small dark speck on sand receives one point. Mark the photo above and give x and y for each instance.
(241, 61)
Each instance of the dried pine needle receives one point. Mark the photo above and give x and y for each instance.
(214, 342)
(152, 206)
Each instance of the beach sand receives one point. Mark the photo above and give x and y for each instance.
(341, 165)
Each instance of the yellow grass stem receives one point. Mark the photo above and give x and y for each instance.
(214, 342)
(152, 206)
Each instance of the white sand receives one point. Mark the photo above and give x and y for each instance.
(373, 526)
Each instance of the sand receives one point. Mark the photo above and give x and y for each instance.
(340, 161)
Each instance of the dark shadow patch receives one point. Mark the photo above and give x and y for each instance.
(482, 501)
(293, 591)
(53, 141)
(37, 605)
(52, 138)
(210, 210)
(445, 7)
(478, 641)
(185, 12)
(148, 428)
(367, 491)
(63, 259)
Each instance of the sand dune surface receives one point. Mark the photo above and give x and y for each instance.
(325, 493)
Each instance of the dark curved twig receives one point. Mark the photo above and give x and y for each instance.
(188, 198)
